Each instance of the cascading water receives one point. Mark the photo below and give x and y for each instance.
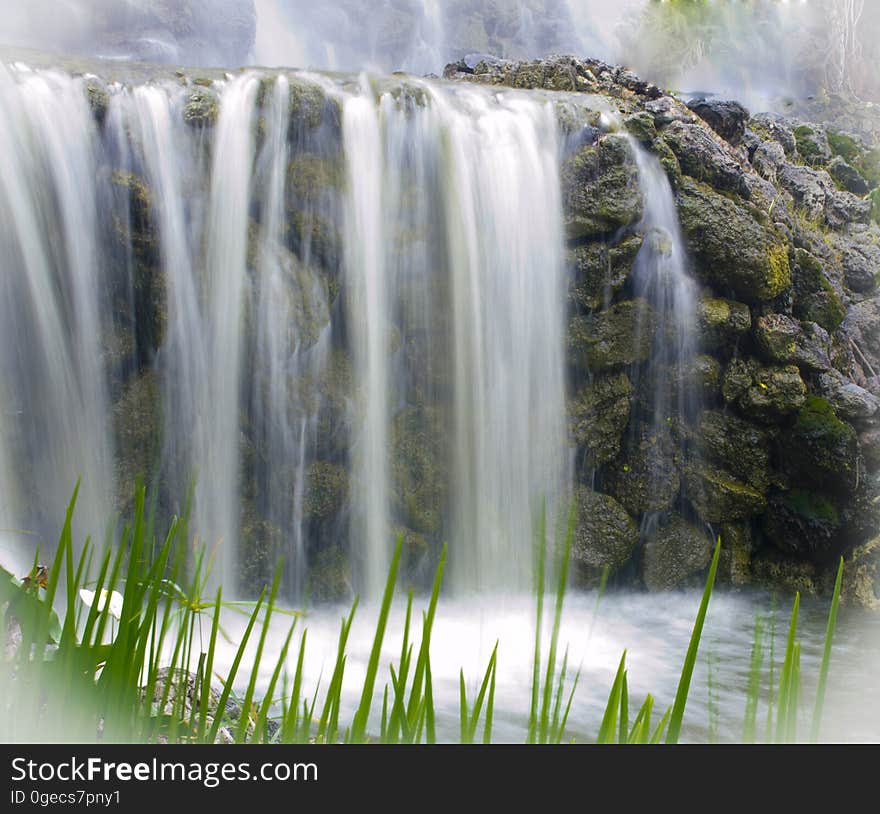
(660, 276)
(217, 253)
(55, 405)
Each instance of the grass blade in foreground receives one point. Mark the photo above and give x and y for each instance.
(826, 657)
(690, 660)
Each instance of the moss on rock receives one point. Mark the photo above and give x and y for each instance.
(605, 535)
(644, 477)
(675, 554)
(326, 491)
(763, 393)
(600, 270)
(599, 414)
(721, 322)
(717, 496)
(610, 339)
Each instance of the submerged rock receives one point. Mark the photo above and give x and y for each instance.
(675, 553)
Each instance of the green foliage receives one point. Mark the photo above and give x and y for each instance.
(94, 670)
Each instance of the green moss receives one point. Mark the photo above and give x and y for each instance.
(811, 506)
(326, 491)
(779, 278)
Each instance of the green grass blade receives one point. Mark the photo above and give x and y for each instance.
(826, 657)
(608, 728)
(690, 660)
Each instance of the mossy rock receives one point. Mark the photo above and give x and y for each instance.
(641, 126)
(202, 108)
(600, 190)
(776, 572)
(812, 144)
(600, 270)
(718, 497)
(765, 393)
(735, 559)
(326, 491)
(599, 414)
(860, 586)
(644, 477)
(732, 250)
(329, 577)
(819, 449)
(676, 553)
(99, 100)
(138, 230)
(611, 339)
(721, 322)
(804, 523)
(605, 534)
(137, 430)
(698, 376)
(419, 468)
(260, 546)
(785, 340)
(739, 446)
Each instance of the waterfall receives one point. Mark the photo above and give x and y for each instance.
(53, 401)
(176, 304)
(661, 277)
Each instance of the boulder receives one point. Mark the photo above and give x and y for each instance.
(611, 339)
(675, 553)
(740, 447)
(600, 270)
(803, 523)
(812, 144)
(732, 251)
(775, 128)
(819, 449)
(726, 117)
(720, 322)
(599, 415)
(600, 191)
(644, 477)
(768, 158)
(816, 299)
(849, 400)
(847, 176)
(605, 535)
(702, 157)
(784, 340)
(819, 199)
(717, 496)
(763, 393)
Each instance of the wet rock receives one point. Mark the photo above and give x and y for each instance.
(860, 586)
(721, 322)
(137, 426)
(99, 99)
(717, 496)
(819, 199)
(763, 393)
(732, 250)
(820, 449)
(740, 447)
(803, 523)
(326, 491)
(641, 127)
(600, 190)
(734, 561)
(784, 340)
(610, 339)
(702, 157)
(419, 470)
(848, 177)
(599, 415)
(774, 571)
(329, 578)
(727, 118)
(674, 554)
(600, 270)
(644, 478)
(605, 535)
(202, 108)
